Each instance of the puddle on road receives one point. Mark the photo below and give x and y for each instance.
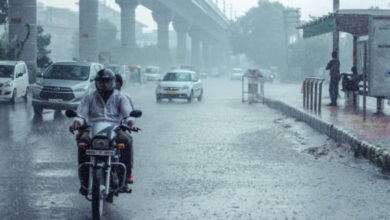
(321, 147)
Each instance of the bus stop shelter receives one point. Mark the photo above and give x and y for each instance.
(356, 22)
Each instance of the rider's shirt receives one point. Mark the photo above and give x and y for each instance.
(94, 109)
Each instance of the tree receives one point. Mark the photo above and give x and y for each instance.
(3, 12)
(260, 34)
(43, 42)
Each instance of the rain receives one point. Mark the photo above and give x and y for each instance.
(201, 109)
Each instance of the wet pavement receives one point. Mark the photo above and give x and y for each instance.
(375, 130)
(215, 159)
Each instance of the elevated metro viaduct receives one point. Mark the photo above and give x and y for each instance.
(200, 19)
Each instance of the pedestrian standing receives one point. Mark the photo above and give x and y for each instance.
(334, 72)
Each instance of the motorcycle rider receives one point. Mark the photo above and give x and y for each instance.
(105, 104)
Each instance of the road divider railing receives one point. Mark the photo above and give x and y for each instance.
(312, 94)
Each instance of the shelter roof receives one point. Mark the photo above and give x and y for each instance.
(353, 21)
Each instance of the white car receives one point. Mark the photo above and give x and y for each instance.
(181, 84)
(237, 74)
(152, 73)
(13, 80)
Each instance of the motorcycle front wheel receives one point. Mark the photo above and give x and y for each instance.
(97, 194)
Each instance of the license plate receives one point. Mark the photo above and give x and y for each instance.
(100, 152)
(171, 92)
(55, 100)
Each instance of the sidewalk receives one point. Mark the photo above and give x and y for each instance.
(374, 133)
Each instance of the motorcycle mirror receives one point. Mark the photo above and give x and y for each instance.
(70, 113)
(136, 114)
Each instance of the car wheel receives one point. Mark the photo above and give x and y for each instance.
(38, 110)
(189, 99)
(13, 98)
(200, 96)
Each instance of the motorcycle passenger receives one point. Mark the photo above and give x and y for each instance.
(105, 104)
(128, 152)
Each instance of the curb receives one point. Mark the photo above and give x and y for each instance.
(375, 154)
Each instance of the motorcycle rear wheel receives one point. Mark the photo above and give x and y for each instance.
(97, 194)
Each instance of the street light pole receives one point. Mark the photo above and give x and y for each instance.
(336, 34)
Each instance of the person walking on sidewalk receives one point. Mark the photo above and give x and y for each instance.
(334, 72)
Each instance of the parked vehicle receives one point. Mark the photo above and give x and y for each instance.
(136, 75)
(269, 76)
(107, 175)
(181, 84)
(122, 70)
(152, 73)
(13, 80)
(237, 74)
(63, 84)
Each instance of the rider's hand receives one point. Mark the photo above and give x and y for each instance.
(133, 127)
(75, 126)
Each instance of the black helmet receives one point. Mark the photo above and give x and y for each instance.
(105, 81)
(119, 79)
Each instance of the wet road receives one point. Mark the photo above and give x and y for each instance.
(215, 159)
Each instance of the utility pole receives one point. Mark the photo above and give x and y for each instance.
(224, 7)
(336, 34)
(292, 19)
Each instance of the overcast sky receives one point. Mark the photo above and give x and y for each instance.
(312, 7)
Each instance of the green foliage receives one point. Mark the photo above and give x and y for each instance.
(3, 11)
(43, 42)
(260, 34)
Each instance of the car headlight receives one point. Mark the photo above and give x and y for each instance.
(101, 144)
(185, 87)
(272, 76)
(8, 84)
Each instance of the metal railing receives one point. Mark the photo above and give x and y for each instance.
(312, 94)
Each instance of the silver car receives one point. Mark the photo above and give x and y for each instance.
(63, 84)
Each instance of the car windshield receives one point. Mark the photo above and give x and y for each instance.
(70, 72)
(180, 76)
(7, 71)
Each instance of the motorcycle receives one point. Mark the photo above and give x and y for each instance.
(107, 175)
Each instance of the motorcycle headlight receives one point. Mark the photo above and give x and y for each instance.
(185, 87)
(101, 144)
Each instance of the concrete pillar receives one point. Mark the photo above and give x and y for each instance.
(128, 28)
(88, 29)
(181, 26)
(206, 52)
(196, 36)
(23, 32)
(163, 18)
